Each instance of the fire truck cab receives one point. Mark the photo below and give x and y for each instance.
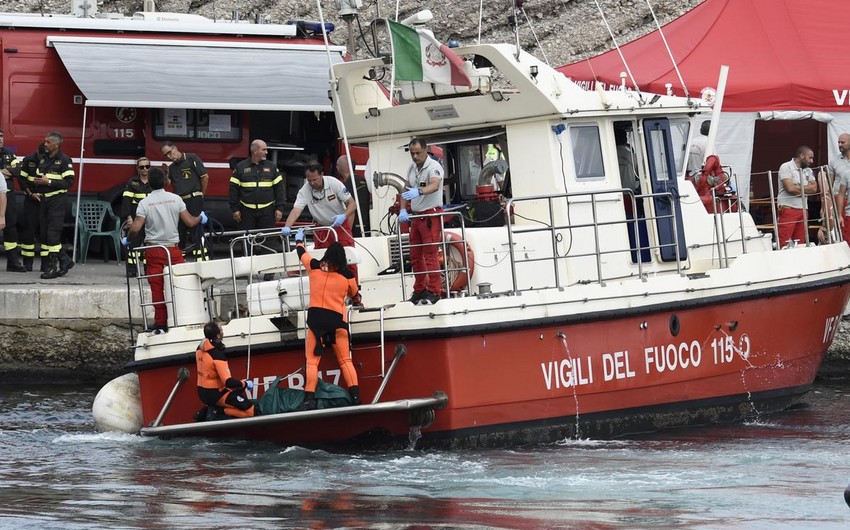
(116, 87)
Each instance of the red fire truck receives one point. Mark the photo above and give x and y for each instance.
(115, 87)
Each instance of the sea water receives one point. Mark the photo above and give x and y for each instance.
(783, 471)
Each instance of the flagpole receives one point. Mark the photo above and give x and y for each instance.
(341, 116)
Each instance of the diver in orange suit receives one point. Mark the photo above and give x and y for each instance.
(216, 387)
(330, 282)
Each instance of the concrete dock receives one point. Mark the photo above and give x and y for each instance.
(70, 328)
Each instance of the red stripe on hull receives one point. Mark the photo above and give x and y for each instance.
(610, 367)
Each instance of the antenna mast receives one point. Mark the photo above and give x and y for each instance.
(670, 53)
(619, 51)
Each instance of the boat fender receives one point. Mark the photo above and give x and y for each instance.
(847, 495)
(455, 244)
(118, 405)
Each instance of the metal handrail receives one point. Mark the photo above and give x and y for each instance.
(441, 215)
(594, 198)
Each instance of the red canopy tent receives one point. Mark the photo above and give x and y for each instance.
(784, 55)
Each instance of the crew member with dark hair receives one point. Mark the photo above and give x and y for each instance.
(696, 159)
(158, 214)
(189, 179)
(425, 178)
(137, 189)
(216, 386)
(795, 180)
(8, 164)
(49, 176)
(256, 190)
(330, 204)
(364, 197)
(330, 282)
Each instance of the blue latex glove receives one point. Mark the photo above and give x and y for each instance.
(403, 217)
(339, 219)
(410, 194)
(249, 384)
(299, 235)
(285, 231)
(204, 218)
(125, 242)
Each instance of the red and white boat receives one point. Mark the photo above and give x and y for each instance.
(555, 328)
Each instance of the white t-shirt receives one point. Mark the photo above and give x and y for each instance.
(419, 178)
(3, 188)
(161, 210)
(840, 167)
(697, 154)
(325, 204)
(789, 170)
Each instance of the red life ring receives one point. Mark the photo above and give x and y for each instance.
(460, 256)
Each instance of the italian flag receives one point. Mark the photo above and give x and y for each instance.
(418, 56)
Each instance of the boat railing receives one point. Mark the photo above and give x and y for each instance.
(557, 206)
(449, 271)
(139, 253)
(768, 219)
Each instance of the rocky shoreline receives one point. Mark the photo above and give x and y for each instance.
(558, 32)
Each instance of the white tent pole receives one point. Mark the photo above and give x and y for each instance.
(80, 182)
(715, 114)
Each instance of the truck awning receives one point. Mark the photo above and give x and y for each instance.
(171, 73)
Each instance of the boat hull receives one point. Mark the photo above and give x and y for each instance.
(608, 375)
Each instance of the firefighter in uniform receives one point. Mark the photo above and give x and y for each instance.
(137, 189)
(256, 190)
(8, 165)
(189, 179)
(216, 386)
(29, 218)
(49, 176)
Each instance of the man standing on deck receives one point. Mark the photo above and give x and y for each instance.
(330, 204)
(189, 179)
(159, 214)
(796, 183)
(425, 195)
(840, 169)
(364, 198)
(696, 160)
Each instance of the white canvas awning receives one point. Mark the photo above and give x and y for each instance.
(171, 73)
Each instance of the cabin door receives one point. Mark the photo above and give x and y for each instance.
(662, 177)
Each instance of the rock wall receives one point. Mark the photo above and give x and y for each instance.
(560, 31)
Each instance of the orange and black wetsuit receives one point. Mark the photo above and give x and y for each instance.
(326, 324)
(216, 387)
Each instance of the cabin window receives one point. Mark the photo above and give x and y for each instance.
(679, 130)
(658, 152)
(587, 152)
(197, 125)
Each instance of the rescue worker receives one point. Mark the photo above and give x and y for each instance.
(159, 214)
(8, 164)
(364, 198)
(329, 203)
(29, 220)
(49, 177)
(425, 195)
(137, 189)
(189, 179)
(256, 190)
(330, 282)
(216, 386)
(2, 204)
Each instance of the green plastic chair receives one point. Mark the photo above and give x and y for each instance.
(97, 219)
